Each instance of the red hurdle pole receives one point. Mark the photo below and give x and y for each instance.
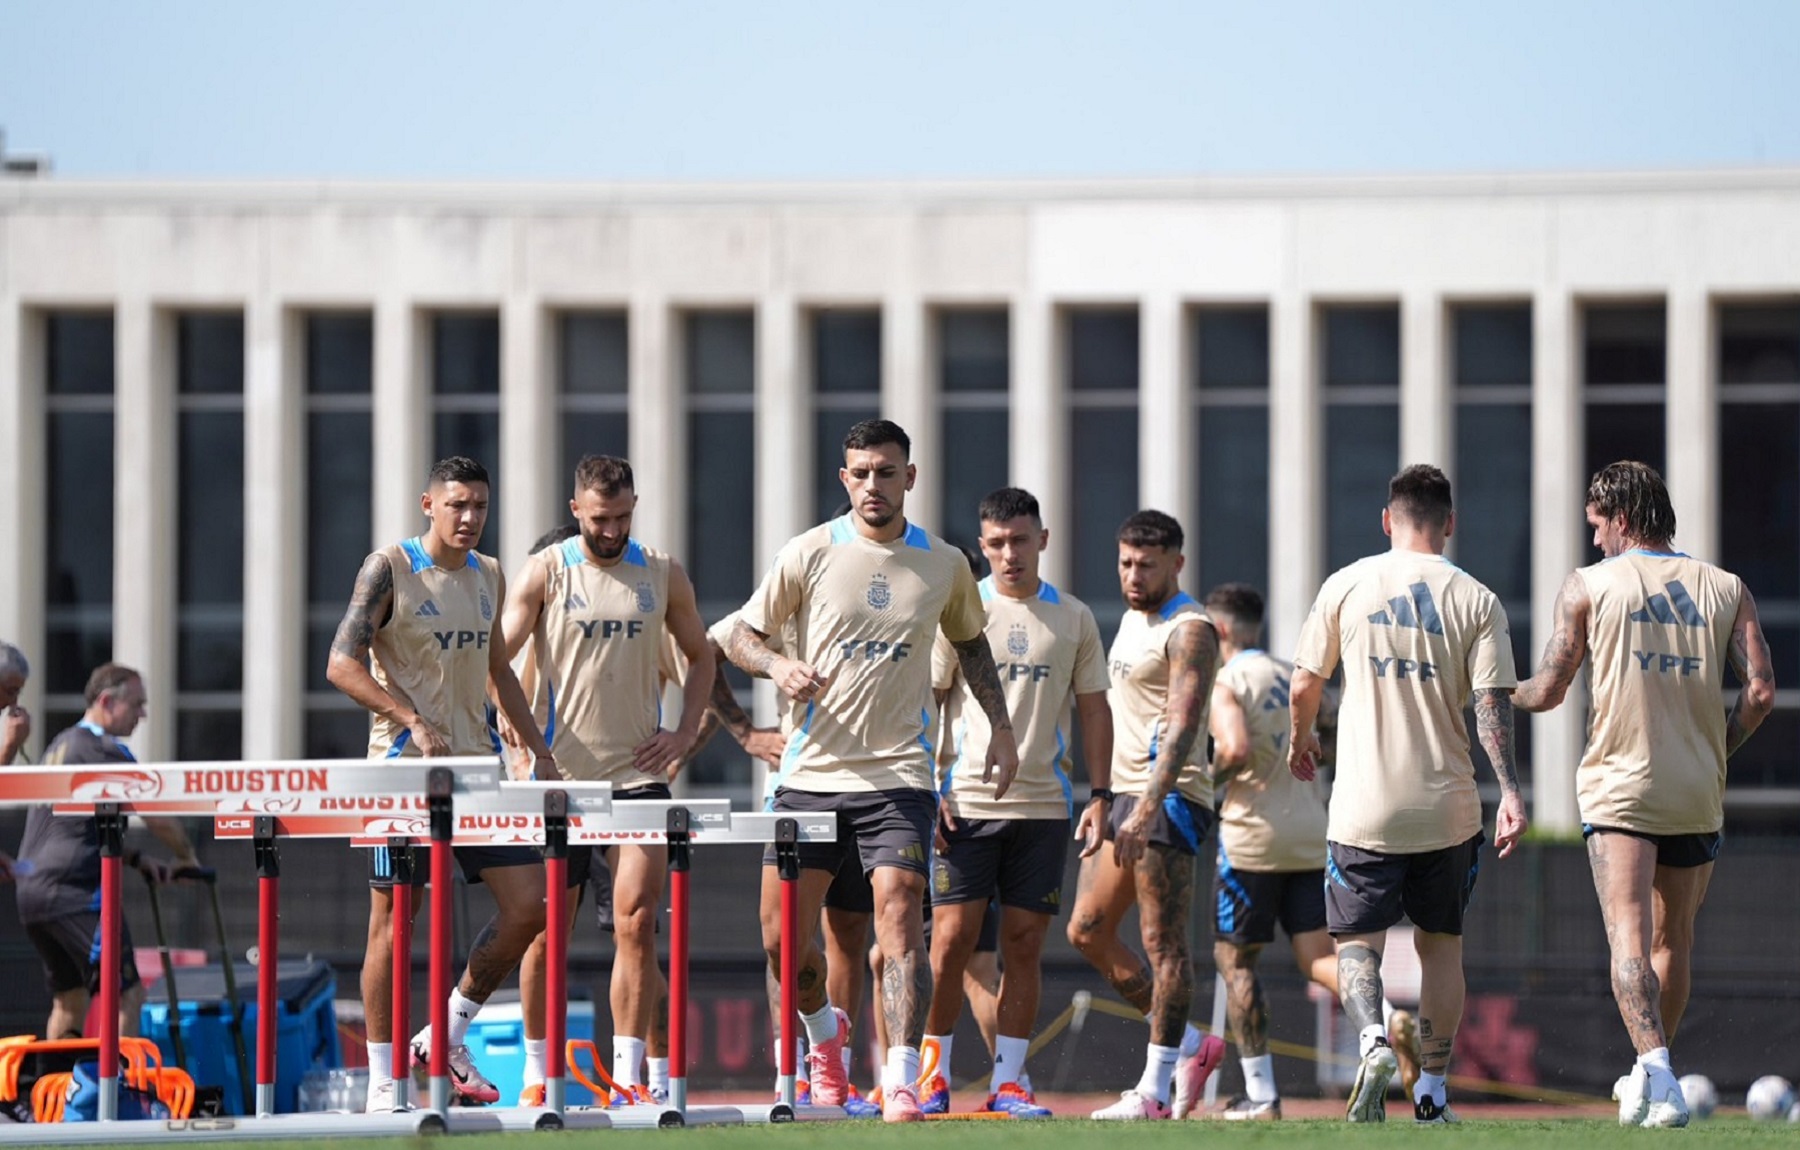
(400, 854)
(268, 970)
(680, 858)
(556, 945)
(787, 863)
(111, 825)
(439, 786)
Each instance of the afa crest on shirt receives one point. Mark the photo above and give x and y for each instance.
(487, 607)
(1018, 643)
(880, 594)
(646, 597)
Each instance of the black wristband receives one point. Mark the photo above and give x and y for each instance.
(1101, 793)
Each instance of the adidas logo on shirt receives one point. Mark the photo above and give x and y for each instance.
(1677, 608)
(575, 603)
(428, 610)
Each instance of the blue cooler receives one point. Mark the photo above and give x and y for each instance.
(306, 1035)
(497, 1043)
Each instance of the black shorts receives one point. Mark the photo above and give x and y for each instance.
(70, 949)
(1366, 891)
(1248, 904)
(875, 829)
(1680, 851)
(1181, 824)
(1019, 860)
(850, 890)
(473, 861)
(587, 864)
(987, 942)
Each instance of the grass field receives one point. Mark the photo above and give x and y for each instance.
(1311, 1134)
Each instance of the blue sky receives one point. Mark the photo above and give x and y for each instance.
(853, 89)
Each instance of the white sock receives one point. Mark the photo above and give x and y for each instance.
(381, 1062)
(821, 1025)
(1370, 1034)
(1009, 1062)
(901, 1069)
(1259, 1077)
(799, 1054)
(534, 1060)
(462, 1012)
(1432, 1086)
(659, 1075)
(1159, 1070)
(944, 1042)
(1657, 1059)
(628, 1055)
(1190, 1041)
(1025, 1081)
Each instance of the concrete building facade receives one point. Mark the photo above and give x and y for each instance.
(215, 398)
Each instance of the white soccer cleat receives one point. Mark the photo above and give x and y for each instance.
(381, 1097)
(1631, 1093)
(1133, 1107)
(1368, 1094)
(468, 1085)
(1665, 1106)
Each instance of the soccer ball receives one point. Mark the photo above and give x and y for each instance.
(1702, 1096)
(1770, 1098)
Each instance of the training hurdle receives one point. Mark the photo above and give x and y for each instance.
(112, 792)
(555, 816)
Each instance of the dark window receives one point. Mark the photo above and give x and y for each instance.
(1234, 496)
(974, 349)
(1624, 344)
(846, 351)
(340, 353)
(721, 352)
(465, 354)
(1492, 345)
(80, 349)
(1362, 452)
(974, 369)
(1362, 345)
(1103, 383)
(1618, 431)
(78, 559)
(593, 369)
(1231, 348)
(209, 353)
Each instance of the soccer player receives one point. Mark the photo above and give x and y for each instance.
(1163, 662)
(59, 864)
(596, 609)
(420, 646)
(1660, 627)
(1047, 646)
(1415, 636)
(1271, 864)
(869, 592)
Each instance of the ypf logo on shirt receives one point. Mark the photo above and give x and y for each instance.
(880, 594)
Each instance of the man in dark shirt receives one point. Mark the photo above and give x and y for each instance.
(58, 867)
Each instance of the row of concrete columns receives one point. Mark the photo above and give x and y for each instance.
(529, 479)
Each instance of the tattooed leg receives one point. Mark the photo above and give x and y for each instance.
(1245, 1006)
(1623, 869)
(519, 896)
(1359, 978)
(1165, 885)
(810, 897)
(906, 967)
(1103, 893)
(1440, 997)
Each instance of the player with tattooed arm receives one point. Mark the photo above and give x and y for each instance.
(1416, 636)
(1658, 628)
(869, 592)
(1163, 662)
(420, 646)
